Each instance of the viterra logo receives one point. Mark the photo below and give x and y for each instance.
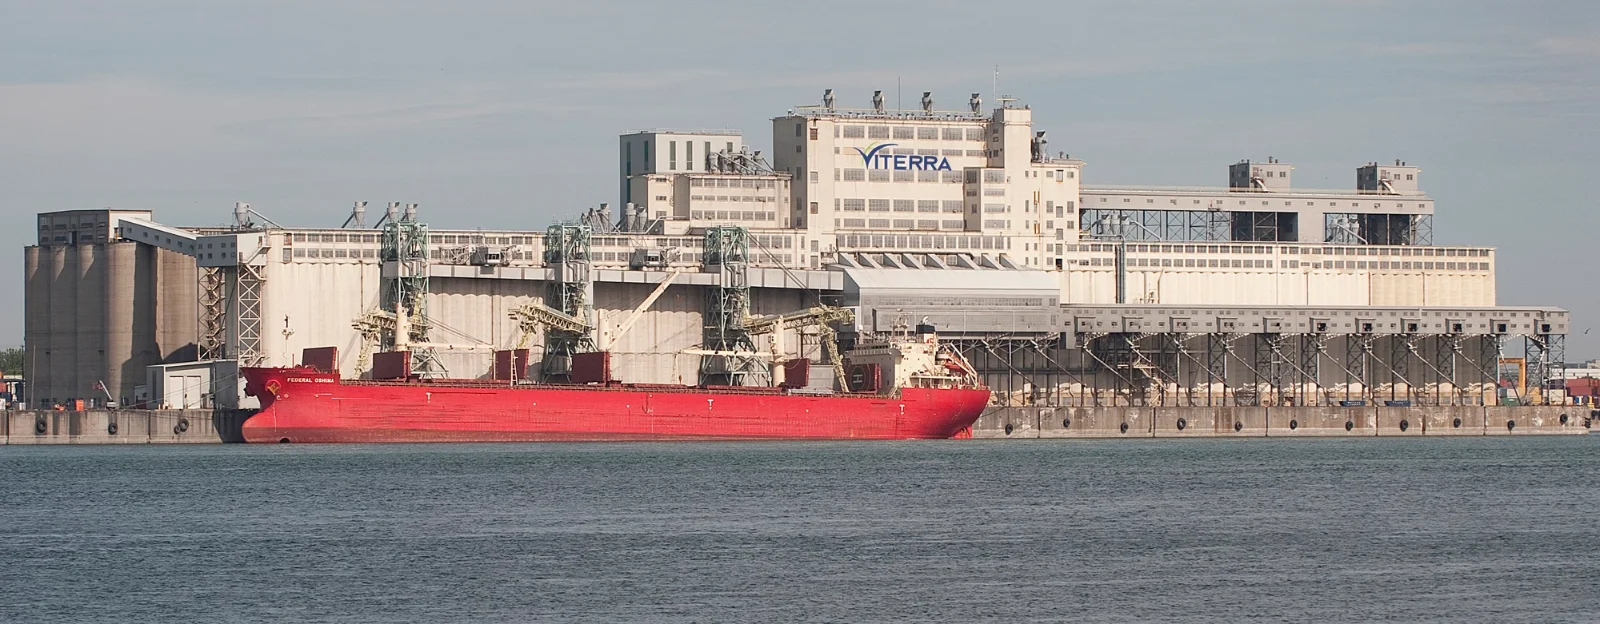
(874, 159)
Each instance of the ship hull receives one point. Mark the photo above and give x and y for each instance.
(303, 406)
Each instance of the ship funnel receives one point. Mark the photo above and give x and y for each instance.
(877, 101)
(927, 101)
(827, 99)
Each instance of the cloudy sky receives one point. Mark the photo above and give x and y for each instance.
(505, 114)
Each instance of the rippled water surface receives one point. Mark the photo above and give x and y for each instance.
(1401, 530)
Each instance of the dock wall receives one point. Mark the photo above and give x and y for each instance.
(1245, 422)
(121, 426)
(213, 426)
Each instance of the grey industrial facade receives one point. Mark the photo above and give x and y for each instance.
(1251, 294)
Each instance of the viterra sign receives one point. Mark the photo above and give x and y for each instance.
(874, 158)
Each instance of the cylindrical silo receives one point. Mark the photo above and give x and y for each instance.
(91, 321)
(63, 324)
(36, 320)
(122, 373)
(177, 304)
(142, 336)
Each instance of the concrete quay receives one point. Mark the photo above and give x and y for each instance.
(201, 426)
(1300, 421)
(195, 426)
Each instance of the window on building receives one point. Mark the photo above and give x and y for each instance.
(688, 155)
(672, 155)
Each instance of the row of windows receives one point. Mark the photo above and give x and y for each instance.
(887, 175)
(733, 183)
(907, 133)
(1430, 252)
(906, 151)
(904, 224)
(672, 154)
(762, 199)
(1242, 202)
(1030, 302)
(764, 241)
(1293, 264)
(733, 215)
(921, 241)
(434, 239)
(897, 205)
(86, 225)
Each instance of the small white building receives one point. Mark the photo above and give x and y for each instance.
(191, 385)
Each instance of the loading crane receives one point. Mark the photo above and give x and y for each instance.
(403, 331)
(532, 317)
(820, 317)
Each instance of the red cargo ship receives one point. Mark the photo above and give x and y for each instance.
(933, 394)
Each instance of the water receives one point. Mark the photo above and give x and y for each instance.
(1469, 530)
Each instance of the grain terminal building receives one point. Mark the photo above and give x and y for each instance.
(1066, 294)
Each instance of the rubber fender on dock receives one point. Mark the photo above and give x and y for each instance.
(1404, 424)
(182, 426)
(1511, 425)
(1455, 424)
(111, 428)
(1294, 424)
(1349, 424)
(1008, 428)
(1563, 419)
(1124, 427)
(1238, 426)
(1182, 423)
(40, 425)
(1066, 423)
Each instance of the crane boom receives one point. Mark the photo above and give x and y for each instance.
(639, 311)
(820, 317)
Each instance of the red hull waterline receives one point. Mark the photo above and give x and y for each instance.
(302, 405)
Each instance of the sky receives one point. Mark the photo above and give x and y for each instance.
(506, 114)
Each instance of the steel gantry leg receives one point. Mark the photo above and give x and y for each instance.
(1357, 357)
(1399, 366)
(1216, 369)
(1536, 355)
(1269, 365)
(1311, 350)
(1544, 354)
(1446, 349)
(250, 280)
(1489, 365)
(213, 313)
